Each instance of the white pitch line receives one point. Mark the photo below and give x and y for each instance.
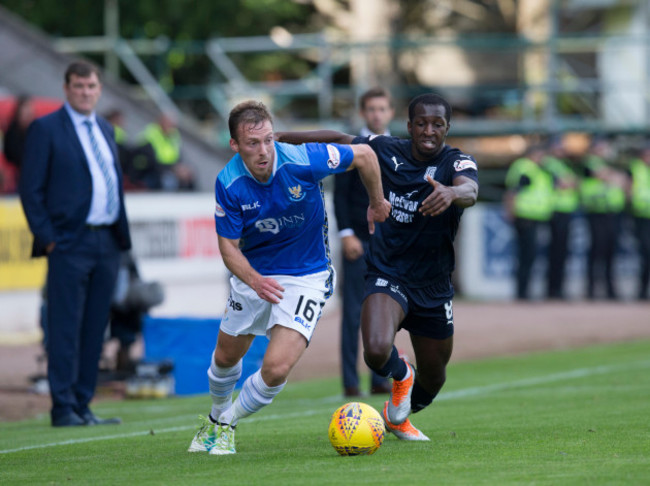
(452, 395)
(540, 380)
(304, 413)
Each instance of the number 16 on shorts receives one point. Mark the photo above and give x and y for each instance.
(307, 312)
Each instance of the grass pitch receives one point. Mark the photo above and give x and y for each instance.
(568, 417)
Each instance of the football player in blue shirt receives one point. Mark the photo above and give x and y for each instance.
(411, 256)
(272, 230)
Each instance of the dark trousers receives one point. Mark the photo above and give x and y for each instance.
(642, 230)
(557, 254)
(354, 273)
(80, 284)
(526, 230)
(603, 229)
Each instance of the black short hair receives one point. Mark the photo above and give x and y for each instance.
(83, 69)
(252, 112)
(430, 99)
(376, 92)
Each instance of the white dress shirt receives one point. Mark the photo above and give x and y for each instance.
(98, 214)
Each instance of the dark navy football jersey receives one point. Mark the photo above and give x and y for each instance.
(416, 249)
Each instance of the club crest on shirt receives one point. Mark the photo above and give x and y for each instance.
(296, 193)
(334, 157)
(431, 171)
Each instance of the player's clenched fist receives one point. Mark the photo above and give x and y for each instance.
(377, 213)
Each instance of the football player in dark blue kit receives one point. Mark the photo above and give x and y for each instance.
(411, 257)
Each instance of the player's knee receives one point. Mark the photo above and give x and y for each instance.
(275, 373)
(223, 359)
(376, 354)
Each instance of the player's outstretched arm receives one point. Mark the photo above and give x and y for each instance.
(319, 136)
(266, 288)
(462, 193)
(365, 161)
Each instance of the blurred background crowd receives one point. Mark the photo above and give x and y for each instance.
(151, 161)
(605, 184)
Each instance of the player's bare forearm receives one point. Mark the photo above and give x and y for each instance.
(265, 287)
(320, 136)
(466, 192)
(365, 161)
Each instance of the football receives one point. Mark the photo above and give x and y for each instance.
(356, 429)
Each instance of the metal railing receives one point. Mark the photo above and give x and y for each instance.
(521, 106)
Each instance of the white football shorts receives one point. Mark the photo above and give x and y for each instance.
(300, 308)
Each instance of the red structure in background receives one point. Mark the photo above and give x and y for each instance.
(41, 106)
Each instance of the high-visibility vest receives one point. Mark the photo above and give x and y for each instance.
(640, 188)
(598, 196)
(565, 200)
(166, 147)
(533, 201)
(120, 135)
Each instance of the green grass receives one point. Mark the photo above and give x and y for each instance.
(568, 417)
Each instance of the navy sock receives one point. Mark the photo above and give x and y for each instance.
(420, 398)
(394, 368)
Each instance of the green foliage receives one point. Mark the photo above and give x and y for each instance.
(176, 19)
(187, 23)
(569, 417)
(72, 18)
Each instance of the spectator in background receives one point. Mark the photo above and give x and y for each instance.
(639, 191)
(71, 191)
(350, 206)
(603, 199)
(529, 204)
(14, 139)
(165, 140)
(565, 203)
(138, 163)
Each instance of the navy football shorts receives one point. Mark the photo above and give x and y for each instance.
(428, 311)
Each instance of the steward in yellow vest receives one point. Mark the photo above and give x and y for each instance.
(639, 190)
(566, 202)
(531, 190)
(603, 199)
(529, 203)
(164, 139)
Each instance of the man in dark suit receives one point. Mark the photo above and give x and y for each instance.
(350, 205)
(71, 191)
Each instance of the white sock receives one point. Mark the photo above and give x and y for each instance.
(222, 384)
(254, 395)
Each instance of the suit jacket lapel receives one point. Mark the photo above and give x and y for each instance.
(71, 133)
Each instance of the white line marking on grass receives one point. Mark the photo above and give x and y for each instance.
(452, 395)
(305, 413)
(540, 380)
